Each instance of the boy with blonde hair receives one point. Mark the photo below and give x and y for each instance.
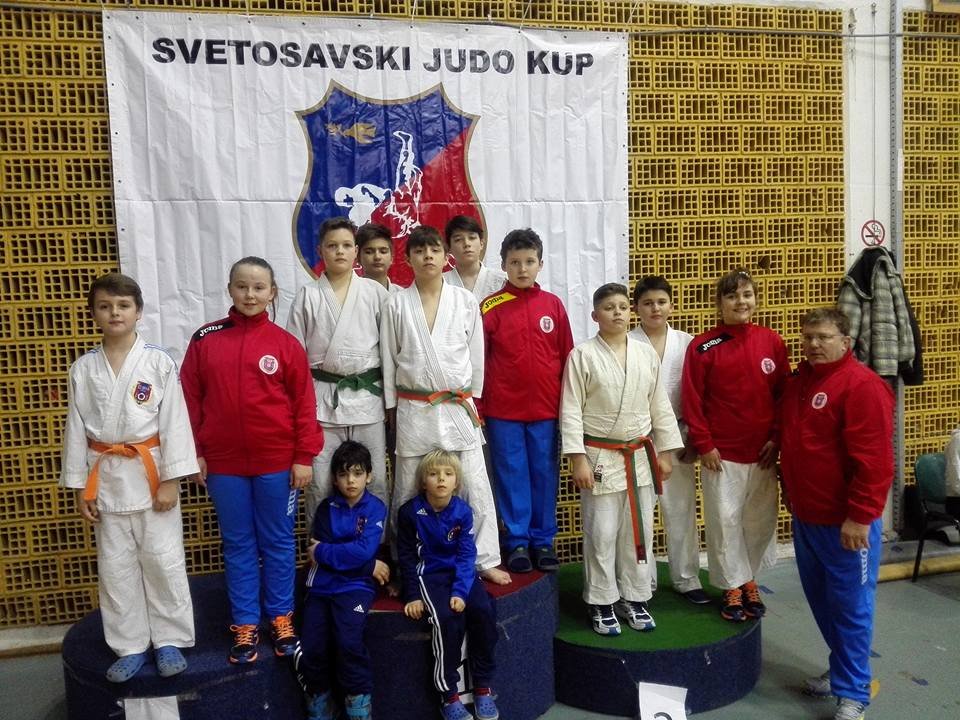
(437, 554)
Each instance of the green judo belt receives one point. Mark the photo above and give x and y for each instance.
(628, 449)
(367, 380)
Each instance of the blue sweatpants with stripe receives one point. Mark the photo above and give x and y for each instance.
(257, 515)
(524, 456)
(331, 642)
(478, 621)
(840, 586)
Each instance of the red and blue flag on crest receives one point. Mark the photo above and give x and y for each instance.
(400, 163)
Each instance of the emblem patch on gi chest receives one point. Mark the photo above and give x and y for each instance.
(768, 366)
(819, 401)
(269, 364)
(142, 392)
(546, 324)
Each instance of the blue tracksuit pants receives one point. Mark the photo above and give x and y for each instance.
(331, 640)
(257, 515)
(840, 586)
(524, 457)
(478, 621)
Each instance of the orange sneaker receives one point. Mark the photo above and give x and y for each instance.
(752, 604)
(285, 640)
(245, 639)
(732, 608)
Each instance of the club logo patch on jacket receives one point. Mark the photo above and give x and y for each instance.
(819, 401)
(546, 324)
(454, 533)
(142, 392)
(768, 366)
(269, 364)
(361, 524)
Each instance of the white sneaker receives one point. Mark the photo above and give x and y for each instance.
(635, 613)
(818, 686)
(604, 621)
(848, 709)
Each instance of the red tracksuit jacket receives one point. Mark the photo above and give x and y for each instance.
(250, 397)
(527, 339)
(837, 448)
(733, 377)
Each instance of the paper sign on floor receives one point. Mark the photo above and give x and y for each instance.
(161, 708)
(662, 702)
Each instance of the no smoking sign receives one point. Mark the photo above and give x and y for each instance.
(872, 233)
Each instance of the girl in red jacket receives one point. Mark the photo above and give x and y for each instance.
(254, 416)
(733, 377)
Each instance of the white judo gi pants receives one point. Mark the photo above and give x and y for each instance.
(474, 489)
(610, 567)
(144, 595)
(678, 506)
(740, 512)
(373, 436)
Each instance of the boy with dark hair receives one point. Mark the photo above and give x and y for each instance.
(337, 319)
(614, 408)
(465, 240)
(522, 401)
(653, 304)
(375, 248)
(126, 445)
(432, 344)
(340, 587)
(437, 555)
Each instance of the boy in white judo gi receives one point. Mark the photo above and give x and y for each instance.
(653, 304)
(375, 248)
(431, 338)
(337, 319)
(126, 445)
(467, 244)
(616, 426)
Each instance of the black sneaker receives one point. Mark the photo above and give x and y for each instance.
(697, 596)
(604, 620)
(245, 639)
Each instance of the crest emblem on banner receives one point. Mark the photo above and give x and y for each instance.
(400, 163)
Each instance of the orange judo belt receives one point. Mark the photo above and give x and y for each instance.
(127, 450)
(438, 397)
(628, 449)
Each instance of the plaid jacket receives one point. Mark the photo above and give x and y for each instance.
(881, 320)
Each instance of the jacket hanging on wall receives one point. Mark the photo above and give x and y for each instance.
(886, 336)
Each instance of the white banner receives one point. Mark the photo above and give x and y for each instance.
(236, 135)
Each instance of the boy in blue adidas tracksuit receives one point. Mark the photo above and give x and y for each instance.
(340, 587)
(437, 554)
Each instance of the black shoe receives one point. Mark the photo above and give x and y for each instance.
(697, 596)
(545, 559)
(518, 561)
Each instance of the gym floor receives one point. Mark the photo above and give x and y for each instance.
(916, 647)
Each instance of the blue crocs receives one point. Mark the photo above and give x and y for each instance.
(485, 708)
(358, 707)
(126, 667)
(455, 710)
(170, 661)
(321, 707)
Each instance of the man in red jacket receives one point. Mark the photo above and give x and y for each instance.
(837, 461)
